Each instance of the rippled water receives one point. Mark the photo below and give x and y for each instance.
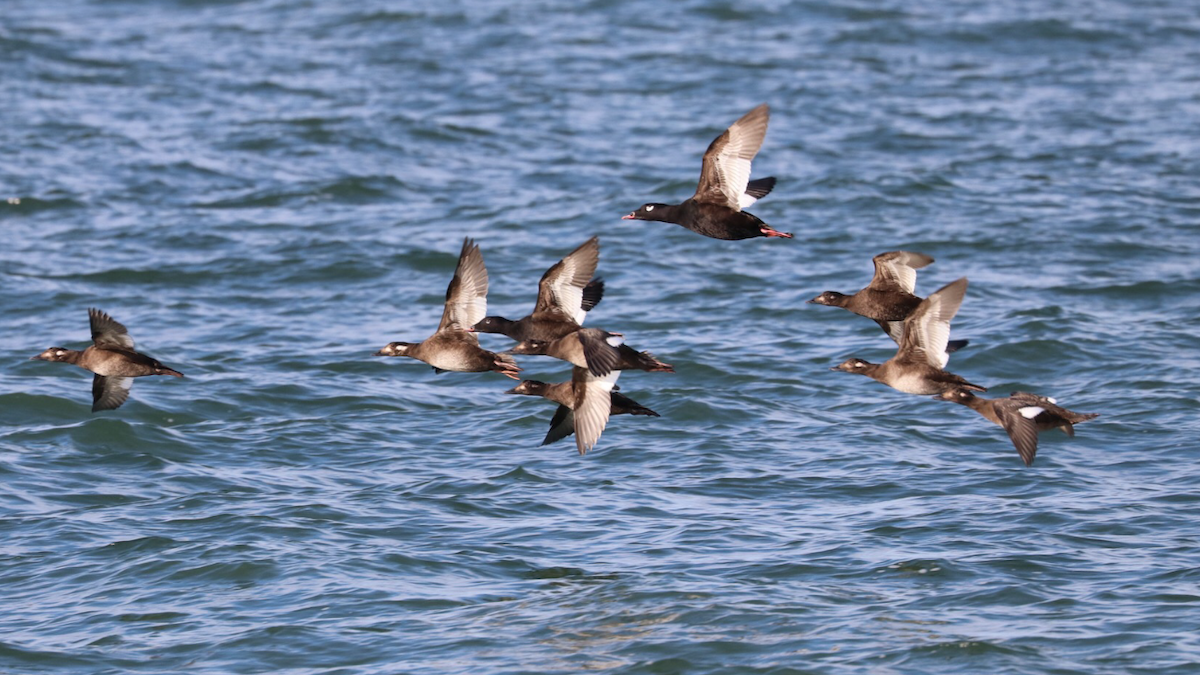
(266, 192)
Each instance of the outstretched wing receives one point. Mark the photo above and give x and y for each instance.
(593, 403)
(107, 331)
(561, 425)
(561, 287)
(1017, 418)
(725, 170)
(927, 329)
(897, 270)
(109, 392)
(466, 296)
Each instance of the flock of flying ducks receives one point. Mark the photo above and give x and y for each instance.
(567, 291)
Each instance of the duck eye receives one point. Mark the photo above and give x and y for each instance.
(649, 207)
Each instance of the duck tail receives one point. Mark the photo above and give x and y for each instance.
(647, 362)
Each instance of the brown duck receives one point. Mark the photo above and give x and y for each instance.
(889, 299)
(112, 358)
(918, 366)
(453, 346)
(584, 405)
(566, 293)
(1022, 415)
(597, 350)
(725, 187)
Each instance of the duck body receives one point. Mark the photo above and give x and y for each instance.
(1022, 415)
(597, 350)
(454, 351)
(709, 219)
(908, 375)
(111, 358)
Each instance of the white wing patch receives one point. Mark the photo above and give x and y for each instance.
(1030, 412)
(735, 174)
(615, 340)
(608, 381)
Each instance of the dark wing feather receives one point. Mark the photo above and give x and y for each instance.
(593, 293)
(561, 425)
(108, 331)
(1022, 430)
(109, 393)
(600, 356)
(760, 187)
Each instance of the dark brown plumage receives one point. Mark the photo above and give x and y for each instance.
(453, 346)
(112, 358)
(1022, 415)
(566, 293)
(725, 187)
(599, 351)
(918, 366)
(582, 404)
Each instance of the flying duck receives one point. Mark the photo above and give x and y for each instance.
(1022, 415)
(584, 405)
(725, 187)
(453, 346)
(566, 294)
(889, 298)
(918, 366)
(112, 358)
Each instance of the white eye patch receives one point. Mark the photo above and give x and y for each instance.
(649, 207)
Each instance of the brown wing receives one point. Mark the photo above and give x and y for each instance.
(561, 287)
(109, 393)
(1017, 419)
(108, 331)
(725, 169)
(466, 296)
(599, 349)
(561, 425)
(897, 270)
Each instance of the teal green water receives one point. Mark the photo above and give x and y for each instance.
(267, 192)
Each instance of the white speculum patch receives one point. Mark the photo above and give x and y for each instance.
(1030, 412)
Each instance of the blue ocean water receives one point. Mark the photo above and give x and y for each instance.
(266, 192)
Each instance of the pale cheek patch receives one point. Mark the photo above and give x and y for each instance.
(649, 208)
(1031, 412)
